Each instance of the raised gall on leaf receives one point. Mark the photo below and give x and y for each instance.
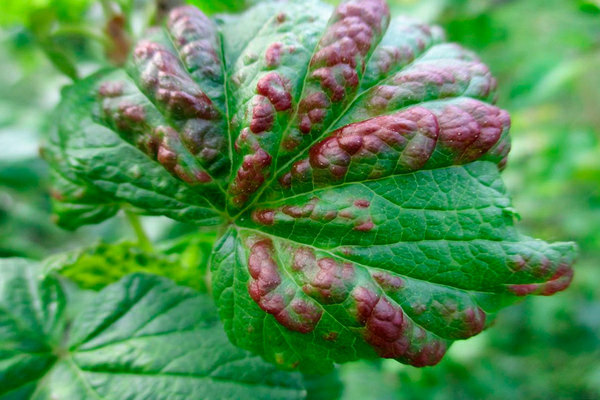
(351, 159)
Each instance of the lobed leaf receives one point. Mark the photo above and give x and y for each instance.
(142, 337)
(353, 163)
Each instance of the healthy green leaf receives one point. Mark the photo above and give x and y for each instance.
(140, 338)
(26, 12)
(96, 266)
(354, 169)
(324, 387)
(211, 7)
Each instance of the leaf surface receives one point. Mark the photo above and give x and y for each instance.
(99, 265)
(353, 161)
(142, 337)
(400, 267)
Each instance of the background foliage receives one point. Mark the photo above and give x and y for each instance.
(545, 54)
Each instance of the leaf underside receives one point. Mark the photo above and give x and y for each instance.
(354, 159)
(140, 338)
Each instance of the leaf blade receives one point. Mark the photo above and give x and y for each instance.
(406, 276)
(123, 344)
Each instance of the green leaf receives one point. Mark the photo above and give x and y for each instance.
(102, 264)
(27, 12)
(353, 162)
(324, 387)
(140, 338)
(74, 201)
(400, 267)
(211, 7)
(60, 58)
(116, 170)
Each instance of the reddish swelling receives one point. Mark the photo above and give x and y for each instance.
(356, 215)
(392, 334)
(274, 87)
(559, 281)
(294, 312)
(329, 282)
(163, 78)
(326, 279)
(335, 68)
(461, 132)
(250, 176)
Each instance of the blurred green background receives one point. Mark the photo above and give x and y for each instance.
(546, 56)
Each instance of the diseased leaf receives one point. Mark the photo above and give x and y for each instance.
(142, 337)
(74, 201)
(400, 266)
(115, 168)
(268, 79)
(354, 168)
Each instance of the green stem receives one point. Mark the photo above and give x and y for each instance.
(135, 222)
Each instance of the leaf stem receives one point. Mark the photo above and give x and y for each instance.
(136, 224)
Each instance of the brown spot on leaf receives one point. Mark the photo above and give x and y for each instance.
(132, 112)
(560, 280)
(325, 279)
(392, 334)
(303, 211)
(362, 203)
(474, 319)
(365, 226)
(315, 102)
(265, 272)
(388, 282)
(167, 157)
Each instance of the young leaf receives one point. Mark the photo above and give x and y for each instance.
(97, 266)
(354, 168)
(140, 338)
